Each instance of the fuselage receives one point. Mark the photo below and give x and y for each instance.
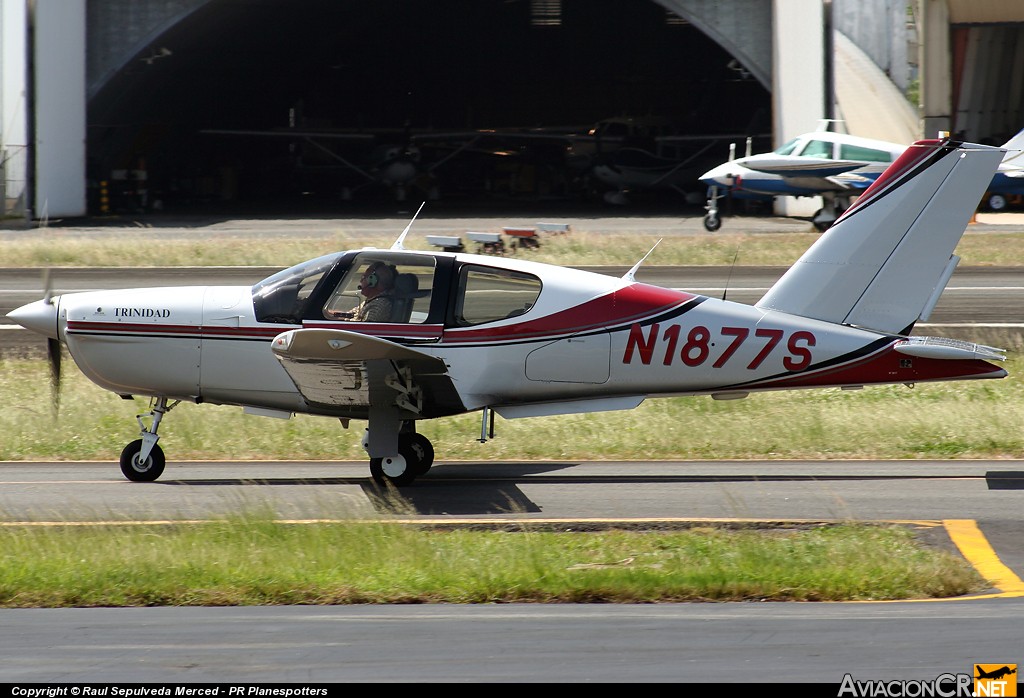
(512, 334)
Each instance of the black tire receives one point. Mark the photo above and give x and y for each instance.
(423, 449)
(407, 460)
(712, 223)
(135, 471)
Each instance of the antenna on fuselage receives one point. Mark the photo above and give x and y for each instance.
(728, 279)
(400, 242)
(630, 276)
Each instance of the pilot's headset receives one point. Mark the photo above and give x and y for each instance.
(373, 279)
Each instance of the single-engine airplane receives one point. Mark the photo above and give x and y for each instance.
(466, 333)
(834, 166)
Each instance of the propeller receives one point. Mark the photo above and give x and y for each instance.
(53, 348)
(53, 354)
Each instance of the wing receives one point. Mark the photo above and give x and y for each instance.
(798, 166)
(342, 372)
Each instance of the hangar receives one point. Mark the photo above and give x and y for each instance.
(140, 97)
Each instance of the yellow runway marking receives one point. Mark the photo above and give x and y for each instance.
(973, 545)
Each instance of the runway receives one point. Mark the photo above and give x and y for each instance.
(524, 643)
(693, 642)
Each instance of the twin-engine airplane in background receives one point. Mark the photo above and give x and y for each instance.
(837, 167)
(834, 166)
(467, 333)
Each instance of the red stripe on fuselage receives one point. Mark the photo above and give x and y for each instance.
(623, 306)
(885, 366)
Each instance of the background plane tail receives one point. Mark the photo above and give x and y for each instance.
(885, 262)
(1014, 150)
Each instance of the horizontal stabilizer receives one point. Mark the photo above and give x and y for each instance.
(946, 348)
(882, 263)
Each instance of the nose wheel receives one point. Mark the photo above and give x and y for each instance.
(712, 219)
(143, 460)
(137, 468)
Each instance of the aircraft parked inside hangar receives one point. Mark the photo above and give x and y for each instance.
(464, 333)
(618, 154)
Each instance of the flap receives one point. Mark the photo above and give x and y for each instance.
(343, 369)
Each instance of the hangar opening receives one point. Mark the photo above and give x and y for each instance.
(328, 103)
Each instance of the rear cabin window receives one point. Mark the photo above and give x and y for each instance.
(855, 152)
(486, 295)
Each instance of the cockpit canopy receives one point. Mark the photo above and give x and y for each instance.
(419, 288)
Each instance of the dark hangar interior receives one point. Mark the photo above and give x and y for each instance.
(395, 72)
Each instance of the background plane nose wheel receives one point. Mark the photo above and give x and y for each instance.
(712, 222)
(137, 470)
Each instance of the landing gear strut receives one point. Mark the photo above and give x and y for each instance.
(143, 460)
(712, 219)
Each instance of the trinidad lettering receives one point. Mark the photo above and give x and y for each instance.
(142, 312)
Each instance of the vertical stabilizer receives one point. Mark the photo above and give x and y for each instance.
(881, 264)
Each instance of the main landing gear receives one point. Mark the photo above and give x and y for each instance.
(414, 458)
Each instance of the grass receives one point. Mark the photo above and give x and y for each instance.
(966, 419)
(54, 248)
(254, 560)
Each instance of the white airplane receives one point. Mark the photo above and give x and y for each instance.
(834, 166)
(469, 333)
(1009, 179)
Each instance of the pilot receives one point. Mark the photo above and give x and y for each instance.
(376, 285)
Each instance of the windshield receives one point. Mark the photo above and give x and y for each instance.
(787, 148)
(282, 296)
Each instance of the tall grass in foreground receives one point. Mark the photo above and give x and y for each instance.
(251, 560)
(965, 419)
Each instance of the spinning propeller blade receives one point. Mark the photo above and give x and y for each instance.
(53, 349)
(53, 354)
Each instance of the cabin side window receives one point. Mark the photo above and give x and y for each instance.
(855, 152)
(486, 295)
(817, 149)
(403, 283)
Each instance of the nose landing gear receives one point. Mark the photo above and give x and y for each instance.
(143, 460)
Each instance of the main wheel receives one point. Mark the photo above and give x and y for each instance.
(400, 469)
(137, 470)
(421, 446)
(712, 222)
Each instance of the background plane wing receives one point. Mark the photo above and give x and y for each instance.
(347, 371)
(798, 166)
